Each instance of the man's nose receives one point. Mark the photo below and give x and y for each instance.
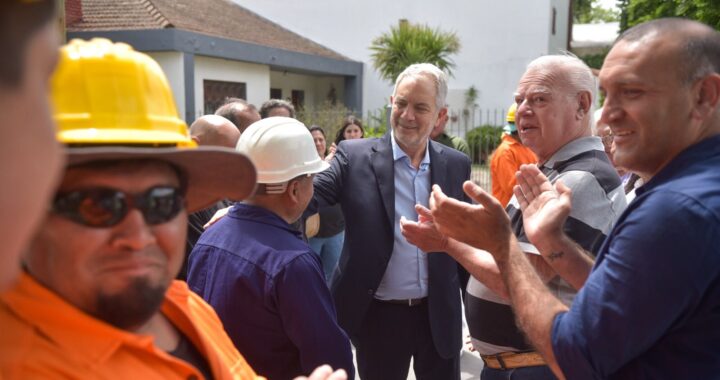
(408, 113)
(133, 232)
(523, 108)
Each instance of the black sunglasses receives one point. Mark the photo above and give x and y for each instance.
(104, 207)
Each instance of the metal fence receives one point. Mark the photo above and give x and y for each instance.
(481, 128)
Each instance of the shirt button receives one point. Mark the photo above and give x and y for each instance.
(370, 291)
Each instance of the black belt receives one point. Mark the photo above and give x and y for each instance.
(406, 302)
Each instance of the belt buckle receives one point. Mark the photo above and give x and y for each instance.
(414, 301)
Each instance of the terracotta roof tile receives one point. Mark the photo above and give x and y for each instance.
(220, 18)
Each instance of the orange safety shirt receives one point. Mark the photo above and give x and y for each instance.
(505, 161)
(43, 336)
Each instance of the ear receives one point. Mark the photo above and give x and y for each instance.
(293, 190)
(196, 139)
(584, 100)
(441, 115)
(707, 96)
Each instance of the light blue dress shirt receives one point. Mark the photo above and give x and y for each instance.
(406, 275)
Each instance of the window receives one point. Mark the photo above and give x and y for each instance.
(215, 92)
(275, 93)
(298, 99)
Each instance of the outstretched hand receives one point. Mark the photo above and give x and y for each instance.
(545, 208)
(331, 153)
(484, 225)
(423, 233)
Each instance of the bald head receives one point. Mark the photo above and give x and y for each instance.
(214, 130)
(694, 44)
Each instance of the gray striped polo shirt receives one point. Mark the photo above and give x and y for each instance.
(597, 201)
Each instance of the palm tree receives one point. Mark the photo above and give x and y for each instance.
(407, 44)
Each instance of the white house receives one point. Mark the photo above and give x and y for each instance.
(498, 38)
(211, 49)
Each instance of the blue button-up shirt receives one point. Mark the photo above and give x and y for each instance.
(651, 306)
(266, 285)
(406, 275)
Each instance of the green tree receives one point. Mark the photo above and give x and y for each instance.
(482, 141)
(410, 43)
(634, 12)
(588, 12)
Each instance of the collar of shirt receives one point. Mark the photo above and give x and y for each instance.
(30, 300)
(699, 152)
(573, 148)
(259, 214)
(511, 140)
(398, 153)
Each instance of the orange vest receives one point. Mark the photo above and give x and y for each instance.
(506, 160)
(43, 336)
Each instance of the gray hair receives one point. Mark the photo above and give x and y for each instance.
(438, 76)
(571, 72)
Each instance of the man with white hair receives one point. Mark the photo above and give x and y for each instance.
(396, 302)
(651, 305)
(554, 99)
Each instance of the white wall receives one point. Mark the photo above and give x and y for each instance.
(255, 76)
(558, 43)
(172, 65)
(499, 38)
(258, 79)
(316, 88)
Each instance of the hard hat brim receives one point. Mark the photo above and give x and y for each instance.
(213, 173)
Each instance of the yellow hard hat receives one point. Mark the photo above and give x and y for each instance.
(511, 113)
(113, 103)
(107, 93)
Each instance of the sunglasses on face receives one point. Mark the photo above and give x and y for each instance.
(105, 207)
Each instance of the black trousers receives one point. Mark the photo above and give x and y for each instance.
(390, 336)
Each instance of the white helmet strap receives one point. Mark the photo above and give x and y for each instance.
(271, 188)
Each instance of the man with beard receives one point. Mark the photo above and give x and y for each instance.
(97, 297)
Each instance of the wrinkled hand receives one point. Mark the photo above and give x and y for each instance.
(545, 208)
(423, 233)
(219, 214)
(484, 225)
(324, 372)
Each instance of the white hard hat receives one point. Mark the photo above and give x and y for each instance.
(281, 148)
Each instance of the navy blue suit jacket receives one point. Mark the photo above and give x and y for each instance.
(361, 179)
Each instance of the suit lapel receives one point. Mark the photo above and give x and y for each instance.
(384, 166)
(438, 165)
